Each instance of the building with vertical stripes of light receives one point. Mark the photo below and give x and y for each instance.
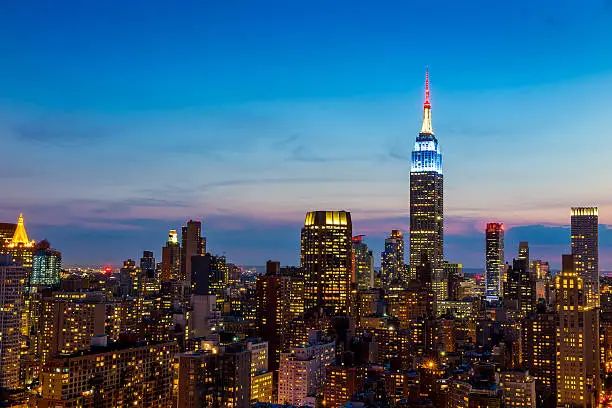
(494, 242)
(327, 260)
(585, 249)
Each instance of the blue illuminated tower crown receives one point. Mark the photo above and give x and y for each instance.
(426, 155)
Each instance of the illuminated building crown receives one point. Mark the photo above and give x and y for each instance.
(20, 237)
(426, 156)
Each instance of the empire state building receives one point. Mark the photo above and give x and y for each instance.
(426, 209)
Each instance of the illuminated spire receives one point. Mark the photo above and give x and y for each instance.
(20, 236)
(427, 128)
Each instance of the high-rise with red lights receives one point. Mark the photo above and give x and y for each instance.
(494, 259)
(426, 197)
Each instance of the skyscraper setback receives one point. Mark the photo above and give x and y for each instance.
(585, 249)
(494, 259)
(426, 196)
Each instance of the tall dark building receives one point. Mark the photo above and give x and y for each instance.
(201, 274)
(539, 354)
(280, 299)
(426, 197)
(326, 259)
(523, 251)
(171, 258)
(494, 260)
(520, 288)
(147, 262)
(363, 263)
(392, 258)
(191, 246)
(585, 249)
(454, 273)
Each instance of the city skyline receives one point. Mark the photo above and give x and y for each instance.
(331, 131)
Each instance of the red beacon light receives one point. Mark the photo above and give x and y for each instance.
(108, 269)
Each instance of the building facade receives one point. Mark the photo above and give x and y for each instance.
(302, 372)
(392, 266)
(192, 245)
(578, 362)
(109, 376)
(585, 249)
(12, 278)
(494, 245)
(46, 266)
(326, 260)
(363, 263)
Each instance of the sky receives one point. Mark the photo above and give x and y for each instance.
(122, 120)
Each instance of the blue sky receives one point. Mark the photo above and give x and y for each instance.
(120, 120)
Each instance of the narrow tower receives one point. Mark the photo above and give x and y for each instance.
(494, 244)
(426, 195)
(585, 248)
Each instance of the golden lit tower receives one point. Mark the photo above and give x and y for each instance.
(585, 249)
(578, 377)
(20, 247)
(426, 197)
(326, 258)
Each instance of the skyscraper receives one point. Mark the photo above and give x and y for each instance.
(539, 353)
(585, 249)
(280, 299)
(46, 266)
(326, 259)
(578, 376)
(426, 196)
(171, 258)
(20, 247)
(392, 258)
(363, 263)
(147, 262)
(191, 246)
(523, 252)
(11, 288)
(494, 259)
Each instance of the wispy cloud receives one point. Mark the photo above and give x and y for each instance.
(60, 130)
